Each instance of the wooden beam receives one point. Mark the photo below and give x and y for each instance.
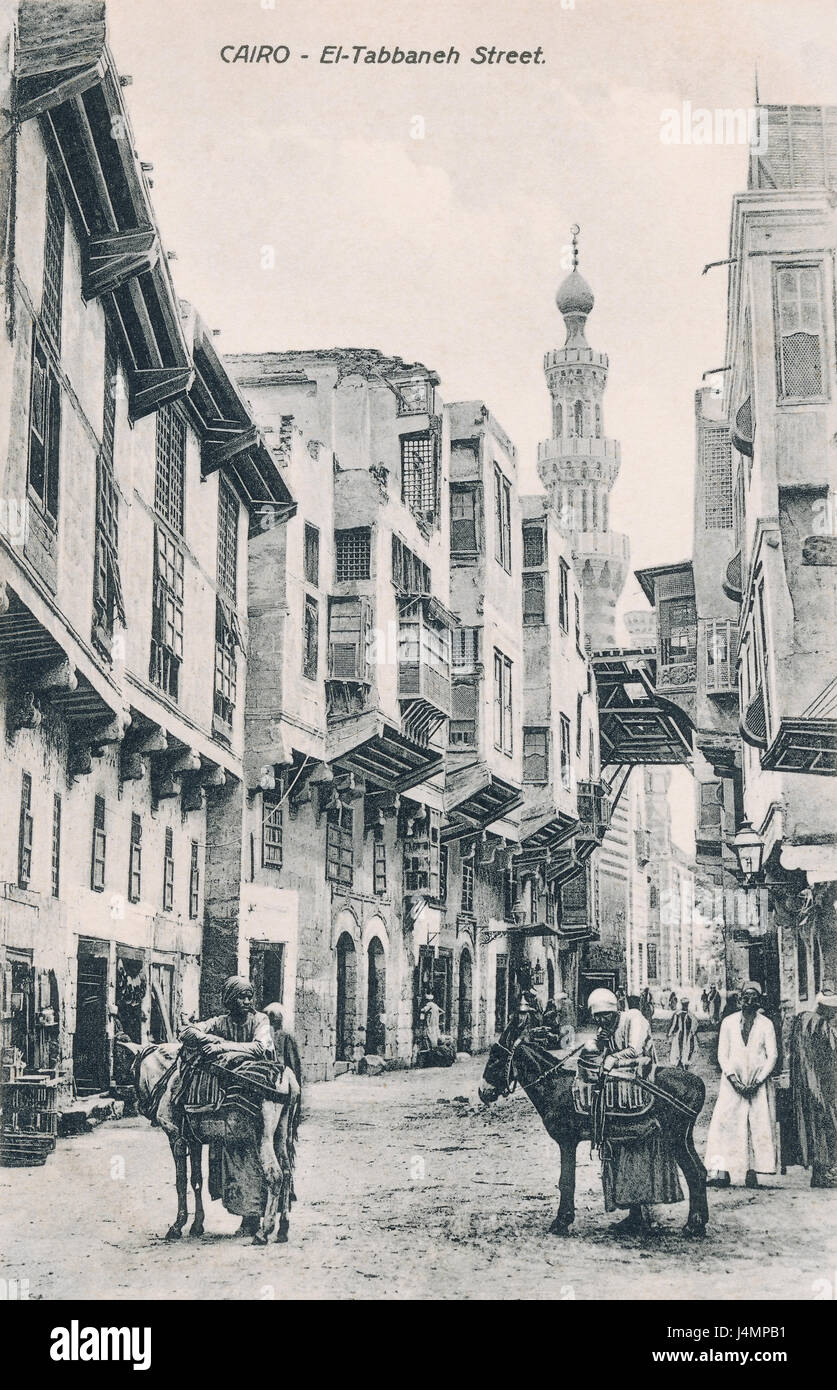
(94, 164)
(112, 260)
(219, 448)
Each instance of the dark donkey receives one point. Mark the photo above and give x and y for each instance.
(677, 1102)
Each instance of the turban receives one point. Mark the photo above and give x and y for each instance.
(233, 989)
(752, 985)
(603, 1001)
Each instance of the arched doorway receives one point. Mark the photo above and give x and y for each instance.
(346, 996)
(464, 1027)
(376, 998)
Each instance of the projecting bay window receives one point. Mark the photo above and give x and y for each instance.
(227, 540)
(502, 520)
(171, 465)
(678, 632)
(97, 867)
(503, 733)
(566, 764)
(25, 832)
(462, 726)
(44, 430)
(564, 596)
(167, 615)
(340, 847)
(720, 667)
(463, 521)
(800, 332)
(534, 600)
(53, 283)
(419, 475)
(465, 648)
(228, 638)
(535, 755)
(421, 858)
(310, 638)
(353, 554)
(410, 575)
(168, 870)
(194, 881)
(135, 860)
(348, 626)
(534, 546)
(272, 832)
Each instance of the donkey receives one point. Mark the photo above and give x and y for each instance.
(153, 1074)
(678, 1100)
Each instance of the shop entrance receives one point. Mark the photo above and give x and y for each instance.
(90, 1044)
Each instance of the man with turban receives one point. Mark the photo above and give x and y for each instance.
(235, 1174)
(741, 1142)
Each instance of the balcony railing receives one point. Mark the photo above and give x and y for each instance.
(593, 809)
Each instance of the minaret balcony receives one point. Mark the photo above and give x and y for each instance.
(606, 545)
(571, 450)
(571, 356)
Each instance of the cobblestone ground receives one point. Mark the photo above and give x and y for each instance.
(407, 1189)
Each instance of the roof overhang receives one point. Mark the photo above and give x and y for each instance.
(478, 797)
(636, 724)
(804, 745)
(372, 747)
(649, 578)
(66, 79)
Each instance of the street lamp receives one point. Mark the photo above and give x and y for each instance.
(749, 851)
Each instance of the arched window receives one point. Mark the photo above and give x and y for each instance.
(595, 521)
(598, 422)
(604, 511)
(584, 509)
(558, 423)
(801, 968)
(578, 418)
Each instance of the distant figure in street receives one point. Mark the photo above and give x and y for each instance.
(429, 1033)
(813, 1078)
(741, 1140)
(287, 1052)
(550, 1018)
(713, 1001)
(622, 999)
(682, 1032)
(672, 1001)
(704, 1001)
(646, 1004)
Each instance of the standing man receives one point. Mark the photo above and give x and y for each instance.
(429, 1016)
(813, 1076)
(682, 1031)
(646, 1005)
(284, 1044)
(741, 1140)
(714, 1004)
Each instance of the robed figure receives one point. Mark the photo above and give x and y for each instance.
(813, 1078)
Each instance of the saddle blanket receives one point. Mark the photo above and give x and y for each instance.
(205, 1090)
(621, 1096)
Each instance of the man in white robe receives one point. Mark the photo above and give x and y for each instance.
(741, 1140)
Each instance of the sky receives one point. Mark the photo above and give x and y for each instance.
(304, 212)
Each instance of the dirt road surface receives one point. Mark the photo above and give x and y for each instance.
(408, 1188)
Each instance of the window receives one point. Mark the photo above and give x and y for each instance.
(56, 845)
(566, 768)
(564, 596)
(535, 755)
(578, 418)
(347, 628)
(167, 614)
(652, 960)
(421, 857)
(225, 666)
(379, 864)
(578, 622)
(716, 452)
(465, 647)
(798, 292)
(534, 546)
(310, 638)
(108, 601)
(463, 520)
(168, 870)
(598, 422)
(27, 823)
(311, 557)
(467, 888)
(502, 702)
(227, 540)
(558, 419)
(443, 873)
(501, 990)
(578, 723)
(171, 462)
(53, 262)
(418, 474)
(135, 860)
(353, 549)
(534, 601)
(462, 725)
(414, 397)
(271, 832)
(678, 631)
(502, 520)
(97, 870)
(194, 881)
(44, 430)
(111, 386)
(409, 574)
(339, 847)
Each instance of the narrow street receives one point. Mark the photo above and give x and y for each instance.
(408, 1188)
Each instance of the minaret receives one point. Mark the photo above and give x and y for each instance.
(579, 464)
